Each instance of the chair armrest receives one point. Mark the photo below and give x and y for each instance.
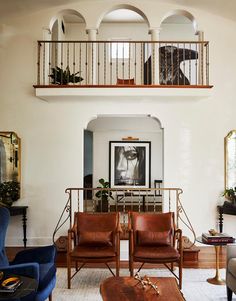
(27, 269)
(40, 255)
(178, 237)
(230, 251)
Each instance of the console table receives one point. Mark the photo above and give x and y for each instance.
(21, 210)
(224, 210)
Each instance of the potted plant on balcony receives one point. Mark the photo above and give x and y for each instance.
(9, 193)
(64, 77)
(103, 195)
(230, 203)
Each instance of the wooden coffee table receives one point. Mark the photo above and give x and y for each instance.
(128, 289)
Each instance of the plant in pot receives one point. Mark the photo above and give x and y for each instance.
(9, 193)
(230, 195)
(103, 195)
(64, 77)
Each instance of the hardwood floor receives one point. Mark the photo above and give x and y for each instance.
(206, 258)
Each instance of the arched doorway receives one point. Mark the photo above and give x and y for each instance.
(104, 129)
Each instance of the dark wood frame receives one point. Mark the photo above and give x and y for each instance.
(147, 164)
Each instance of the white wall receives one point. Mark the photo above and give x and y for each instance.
(52, 133)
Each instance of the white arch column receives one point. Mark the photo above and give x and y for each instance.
(92, 56)
(200, 59)
(45, 57)
(155, 36)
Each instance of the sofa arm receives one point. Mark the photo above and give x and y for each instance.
(27, 269)
(231, 251)
(40, 255)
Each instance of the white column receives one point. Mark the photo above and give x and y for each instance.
(45, 57)
(92, 56)
(200, 58)
(155, 36)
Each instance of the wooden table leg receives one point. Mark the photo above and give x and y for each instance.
(24, 220)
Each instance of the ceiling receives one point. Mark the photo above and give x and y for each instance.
(11, 8)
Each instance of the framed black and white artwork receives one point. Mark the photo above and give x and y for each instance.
(129, 164)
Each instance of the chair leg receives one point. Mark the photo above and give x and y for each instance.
(180, 274)
(50, 297)
(117, 267)
(68, 272)
(229, 294)
(131, 267)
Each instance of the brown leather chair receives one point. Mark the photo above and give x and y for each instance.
(153, 240)
(93, 238)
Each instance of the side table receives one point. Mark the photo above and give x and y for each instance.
(28, 286)
(217, 279)
(21, 210)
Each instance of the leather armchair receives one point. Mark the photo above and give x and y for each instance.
(231, 270)
(37, 263)
(93, 238)
(155, 239)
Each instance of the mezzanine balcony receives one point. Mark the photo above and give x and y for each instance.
(143, 67)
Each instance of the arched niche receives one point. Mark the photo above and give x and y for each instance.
(123, 22)
(178, 25)
(68, 25)
(105, 128)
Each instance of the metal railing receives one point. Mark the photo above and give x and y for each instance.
(119, 63)
(96, 200)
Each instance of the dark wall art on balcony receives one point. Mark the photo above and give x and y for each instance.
(129, 164)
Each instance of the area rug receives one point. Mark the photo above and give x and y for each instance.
(85, 285)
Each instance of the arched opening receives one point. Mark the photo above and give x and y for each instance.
(68, 25)
(179, 60)
(106, 136)
(178, 25)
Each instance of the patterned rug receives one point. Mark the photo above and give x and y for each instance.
(85, 285)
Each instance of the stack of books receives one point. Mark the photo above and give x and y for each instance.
(219, 238)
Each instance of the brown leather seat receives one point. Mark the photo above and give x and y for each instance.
(94, 237)
(153, 239)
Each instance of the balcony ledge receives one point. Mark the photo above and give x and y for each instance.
(71, 92)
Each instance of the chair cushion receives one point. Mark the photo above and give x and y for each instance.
(157, 253)
(92, 252)
(232, 266)
(46, 273)
(150, 238)
(99, 239)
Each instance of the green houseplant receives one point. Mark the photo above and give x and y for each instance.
(9, 193)
(63, 77)
(230, 194)
(103, 195)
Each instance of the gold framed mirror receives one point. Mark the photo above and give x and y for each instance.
(230, 159)
(10, 157)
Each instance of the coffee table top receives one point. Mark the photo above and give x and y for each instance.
(128, 289)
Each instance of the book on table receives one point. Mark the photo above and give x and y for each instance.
(219, 238)
(10, 284)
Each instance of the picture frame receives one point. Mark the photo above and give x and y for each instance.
(129, 164)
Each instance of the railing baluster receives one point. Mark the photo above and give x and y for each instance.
(189, 56)
(39, 64)
(135, 63)
(44, 55)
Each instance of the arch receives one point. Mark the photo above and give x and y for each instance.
(62, 13)
(183, 13)
(123, 6)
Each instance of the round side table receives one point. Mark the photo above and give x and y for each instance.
(217, 279)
